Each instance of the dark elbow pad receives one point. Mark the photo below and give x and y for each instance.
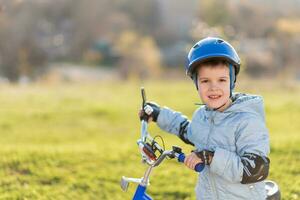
(255, 168)
(183, 131)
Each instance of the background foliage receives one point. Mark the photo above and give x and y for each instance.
(129, 34)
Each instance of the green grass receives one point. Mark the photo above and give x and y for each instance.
(76, 141)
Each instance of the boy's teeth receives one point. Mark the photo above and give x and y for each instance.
(214, 96)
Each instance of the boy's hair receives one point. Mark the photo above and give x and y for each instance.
(212, 62)
(215, 61)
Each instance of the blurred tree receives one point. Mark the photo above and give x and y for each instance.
(252, 19)
(88, 22)
(20, 53)
(289, 26)
(34, 31)
(145, 15)
(140, 57)
(214, 12)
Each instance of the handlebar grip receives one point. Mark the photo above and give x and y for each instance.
(198, 168)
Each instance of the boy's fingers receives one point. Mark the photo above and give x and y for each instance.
(190, 162)
(143, 113)
(187, 159)
(193, 166)
(195, 163)
(190, 165)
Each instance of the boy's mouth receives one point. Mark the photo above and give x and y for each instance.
(214, 97)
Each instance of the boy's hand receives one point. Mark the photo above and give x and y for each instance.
(205, 155)
(192, 160)
(150, 112)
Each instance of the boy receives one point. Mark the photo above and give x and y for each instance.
(228, 132)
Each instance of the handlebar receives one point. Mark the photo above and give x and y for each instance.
(198, 168)
(175, 153)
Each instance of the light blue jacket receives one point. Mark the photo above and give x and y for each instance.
(240, 128)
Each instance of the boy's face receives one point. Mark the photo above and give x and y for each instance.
(214, 85)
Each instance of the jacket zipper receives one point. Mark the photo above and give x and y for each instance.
(212, 180)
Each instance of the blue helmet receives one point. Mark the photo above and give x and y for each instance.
(209, 48)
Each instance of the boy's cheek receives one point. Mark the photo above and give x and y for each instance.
(201, 92)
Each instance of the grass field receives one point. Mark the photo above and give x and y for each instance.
(76, 141)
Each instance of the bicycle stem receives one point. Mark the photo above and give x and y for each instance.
(145, 179)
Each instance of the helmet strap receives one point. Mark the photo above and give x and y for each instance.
(219, 107)
(195, 79)
(222, 105)
(232, 78)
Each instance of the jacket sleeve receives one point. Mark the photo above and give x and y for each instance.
(175, 123)
(251, 137)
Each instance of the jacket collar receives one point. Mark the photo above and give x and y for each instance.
(240, 103)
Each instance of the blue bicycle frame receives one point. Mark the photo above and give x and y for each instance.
(140, 193)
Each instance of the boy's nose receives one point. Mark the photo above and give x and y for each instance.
(213, 86)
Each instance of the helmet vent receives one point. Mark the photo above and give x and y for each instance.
(219, 41)
(195, 46)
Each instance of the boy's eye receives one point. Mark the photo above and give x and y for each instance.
(223, 80)
(204, 81)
